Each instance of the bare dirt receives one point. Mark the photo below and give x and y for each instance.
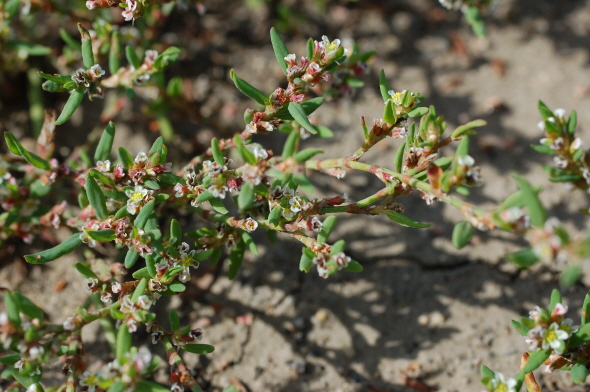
(420, 309)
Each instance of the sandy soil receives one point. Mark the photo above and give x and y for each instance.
(420, 308)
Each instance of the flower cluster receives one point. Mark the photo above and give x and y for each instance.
(88, 78)
(572, 164)
(549, 329)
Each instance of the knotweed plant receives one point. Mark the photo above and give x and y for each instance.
(237, 187)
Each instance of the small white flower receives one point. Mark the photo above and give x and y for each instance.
(144, 302)
(116, 287)
(69, 324)
(95, 71)
(554, 337)
(260, 152)
(577, 143)
(218, 191)
(500, 384)
(559, 113)
(250, 225)
(288, 192)
(141, 157)
(104, 166)
(465, 160)
(560, 163)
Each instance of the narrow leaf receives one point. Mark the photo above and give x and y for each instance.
(535, 361)
(327, 227)
(305, 155)
(17, 148)
(523, 258)
(115, 52)
(298, 114)
(96, 198)
(105, 145)
(87, 55)
(405, 221)
(536, 211)
(198, 348)
(248, 90)
(467, 128)
(217, 154)
(174, 320)
(555, 299)
(106, 235)
(132, 57)
(384, 86)
(56, 252)
(462, 233)
(279, 48)
(71, 105)
(144, 214)
(85, 271)
(246, 196)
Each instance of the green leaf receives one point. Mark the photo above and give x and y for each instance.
(579, 373)
(578, 155)
(167, 57)
(10, 359)
(544, 110)
(217, 154)
(249, 242)
(215, 256)
(27, 307)
(299, 115)
(275, 215)
(486, 372)
(123, 342)
(144, 214)
(580, 337)
(543, 149)
(218, 206)
(462, 233)
(536, 360)
(236, 257)
(12, 308)
(71, 42)
(290, 144)
(132, 57)
(17, 148)
(389, 115)
(96, 197)
(353, 266)
(463, 147)
(417, 112)
(279, 48)
(305, 155)
(248, 90)
(536, 211)
(327, 227)
(106, 235)
(572, 122)
(71, 105)
(125, 158)
(384, 86)
(87, 55)
(115, 52)
(117, 386)
(399, 158)
(324, 132)
(523, 258)
(474, 19)
(56, 252)
(521, 329)
(57, 78)
(338, 247)
(142, 273)
(85, 271)
(306, 261)
(405, 221)
(246, 196)
(586, 309)
(555, 299)
(105, 145)
(198, 348)
(202, 256)
(175, 231)
(149, 386)
(467, 129)
(570, 276)
(174, 320)
(247, 155)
